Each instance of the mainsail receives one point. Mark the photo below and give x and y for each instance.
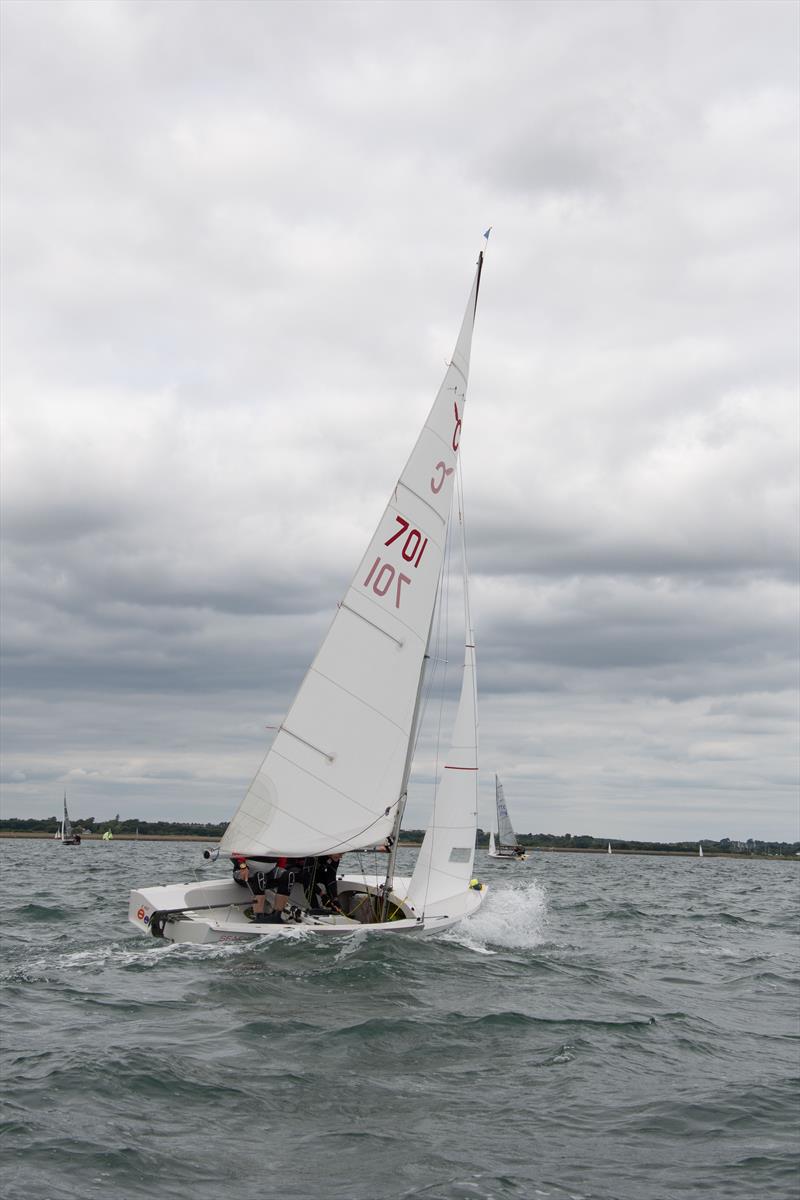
(333, 776)
(505, 831)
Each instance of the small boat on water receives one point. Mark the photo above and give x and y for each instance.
(108, 836)
(336, 777)
(65, 833)
(506, 845)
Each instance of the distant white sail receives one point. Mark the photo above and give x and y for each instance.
(66, 834)
(506, 838)
(332, 778)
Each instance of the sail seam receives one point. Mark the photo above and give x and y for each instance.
(324, 833)
(364, 597)
(376, 816)
(360, 700)
(422, 500)
(398, 641)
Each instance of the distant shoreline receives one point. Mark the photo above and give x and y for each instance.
(118, 837)
(188, 837)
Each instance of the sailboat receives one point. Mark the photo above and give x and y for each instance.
(107, 836)
(506, 846)
(336, 776)
(65, 833)
(700, 851)
(609, 851)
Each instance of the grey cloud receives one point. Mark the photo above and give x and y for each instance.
(237, 242)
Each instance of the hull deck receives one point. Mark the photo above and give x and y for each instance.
(200, 913)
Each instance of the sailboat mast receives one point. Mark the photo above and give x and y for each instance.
(401, 803)
(497, 806)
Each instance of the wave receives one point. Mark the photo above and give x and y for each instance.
(512, 918)
(39, 912)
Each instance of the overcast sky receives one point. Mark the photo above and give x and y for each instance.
(238, 239)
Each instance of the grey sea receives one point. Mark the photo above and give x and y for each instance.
(605, 1028)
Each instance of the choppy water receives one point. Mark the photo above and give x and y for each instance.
(605, 1028)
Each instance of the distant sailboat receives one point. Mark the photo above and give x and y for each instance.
(506, 846)
(700, 851)
(65, 833)
(108, 836)
(609, 847)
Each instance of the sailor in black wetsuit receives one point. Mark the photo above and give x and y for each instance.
(320, 883)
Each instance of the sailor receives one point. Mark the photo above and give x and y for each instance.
(320, 882)
(268, 874)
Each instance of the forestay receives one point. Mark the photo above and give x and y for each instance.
(332, 778)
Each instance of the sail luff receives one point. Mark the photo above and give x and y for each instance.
(333, 777)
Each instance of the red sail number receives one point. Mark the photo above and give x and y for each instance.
(438, 484)
(384, 579)
(414, 545)
(457, 429)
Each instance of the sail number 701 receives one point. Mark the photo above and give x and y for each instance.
(382, 575)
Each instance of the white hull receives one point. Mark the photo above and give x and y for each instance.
(507, 857)
(214, 912)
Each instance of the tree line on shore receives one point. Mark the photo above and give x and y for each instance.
(586, 842)
(133, 826)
